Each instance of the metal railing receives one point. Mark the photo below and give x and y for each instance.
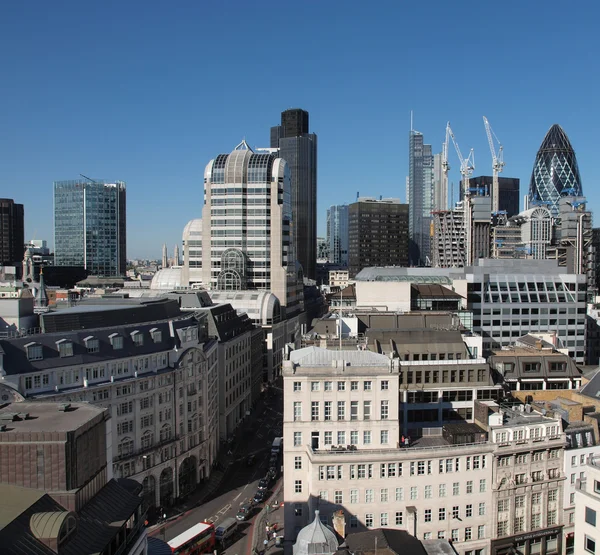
(393, 450)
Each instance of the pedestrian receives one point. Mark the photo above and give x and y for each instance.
(408, 441)
(402, 441)
(275, 527)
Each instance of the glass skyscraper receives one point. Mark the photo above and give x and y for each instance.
(90, 226)
(337, 234)
(420, 198)
(298, 148)
(555, 171)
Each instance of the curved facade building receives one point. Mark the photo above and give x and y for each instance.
(555, 171)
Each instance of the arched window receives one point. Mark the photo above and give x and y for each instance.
(125, 447)
(165, 433)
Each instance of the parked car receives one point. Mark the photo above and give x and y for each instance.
(260, 496)
(245, 512)
(274, 460)
(263, 484)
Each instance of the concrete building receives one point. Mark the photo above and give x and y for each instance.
(248, 232)
(378, 234)
(506, 299)
(90, 226)
(191, 272)
(339, 278)
(298, 147)
(158, 379)
(12, 232)
(587, 507)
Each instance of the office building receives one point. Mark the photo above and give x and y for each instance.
(555, 171)
(440, 185)
(247, 227)
(337, 234)
(191, 270)
(12, 232)
(378, 234)
(509, 197)
(506, 299)
(90, 226)
(298, 147)
(421, 195)
(587, 508)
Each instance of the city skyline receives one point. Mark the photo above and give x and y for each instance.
(155, 121)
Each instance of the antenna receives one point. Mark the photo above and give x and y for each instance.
(411, 120)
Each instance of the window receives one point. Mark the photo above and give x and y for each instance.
(413, 492)
(456, 512)
(297, 439)
(65, 348)
(503, 505)
(327, 410)
(369, 520)
(138, 338)
(34, 351)
(384, 437)
(482, 508)
(366, 437)
(92, 345)
(536, 521)
(298, 463)
(427, 515)
(341, 408)
(428, 492)
(314, 386)
(519, 524)
(385, 384)
(354, 437)
(589, 544)
(297, 486)
(353, 410)
(384, 410)
(328, 438)
(367, 385)
(328, 386)
(338, 497)
(502, 528)
(297, 386)
(482, 486)
(470, 486)
(353, 496)
(553, 495)
(481, 532)
(469, 511)
(468, 533)
(314, 410)
(383, 495)
(341, 438)
(442, 490)
(367, 410)
(341, 386)
(383, 519)
(441, 534)
(399, 518)
(353, 386)
(552, 517)
(456, 488)
(442, 513)
(297, 410)
(536, 498)
(519, 501)
(454, 534)
(590, 516)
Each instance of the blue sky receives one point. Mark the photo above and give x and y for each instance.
(148, 92)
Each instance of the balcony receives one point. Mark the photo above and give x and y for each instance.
(145, 450)
(534, 443)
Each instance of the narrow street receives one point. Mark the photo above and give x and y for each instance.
(239, 483)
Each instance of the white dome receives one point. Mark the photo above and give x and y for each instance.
(167, 279)
(192, 229)
(315, 539)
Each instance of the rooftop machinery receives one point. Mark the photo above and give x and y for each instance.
(497, 163)
(467, 166)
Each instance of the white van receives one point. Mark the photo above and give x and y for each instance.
(226, 529)
(276, 447)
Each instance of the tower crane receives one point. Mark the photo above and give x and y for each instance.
(497, 163)
(467, 166)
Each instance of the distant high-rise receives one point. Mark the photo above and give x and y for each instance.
(90, 226)
(298, 148)
(509, 197)
(555, 171)
(440, 185)
(337, 234)
(12, 232)
(420, 187)
(378, 234)
(247, 229)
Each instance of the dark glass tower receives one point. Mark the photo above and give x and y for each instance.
(509, 196)
(12, 232)
(555, 171)
(90, 226)
(299, 148)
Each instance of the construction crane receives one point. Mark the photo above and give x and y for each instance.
(497, 163)
(467, 166)
(88, 178)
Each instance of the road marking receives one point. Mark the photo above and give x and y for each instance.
(259, 435)
(224, 509)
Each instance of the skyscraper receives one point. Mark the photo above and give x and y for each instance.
(378, 234)
(509, 196)
(420, 188)
(90, 226)
(298, 148)
(555, 171)
(247, 230)
(337, 234)
(440, 186)
(12, 232)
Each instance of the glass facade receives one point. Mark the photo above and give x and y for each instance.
(337, 234)
(420, 193)
(90, 226)
(555, 171)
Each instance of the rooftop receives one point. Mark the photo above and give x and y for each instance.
(316, 356)
(47, 417)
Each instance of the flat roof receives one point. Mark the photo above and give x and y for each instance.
(46, 417)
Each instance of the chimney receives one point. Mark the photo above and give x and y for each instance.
(339, 523)
(538, 344)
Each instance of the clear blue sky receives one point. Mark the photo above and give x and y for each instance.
(148, 92)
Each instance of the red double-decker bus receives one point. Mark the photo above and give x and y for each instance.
(197, 540)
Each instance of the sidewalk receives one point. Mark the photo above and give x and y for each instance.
(271, 519)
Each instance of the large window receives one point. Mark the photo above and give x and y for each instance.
(590, 516)
(589, 544)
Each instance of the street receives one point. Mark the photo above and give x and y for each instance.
(240, 481)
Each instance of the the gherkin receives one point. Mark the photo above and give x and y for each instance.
(555, 172)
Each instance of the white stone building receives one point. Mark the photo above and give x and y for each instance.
(587, 509)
